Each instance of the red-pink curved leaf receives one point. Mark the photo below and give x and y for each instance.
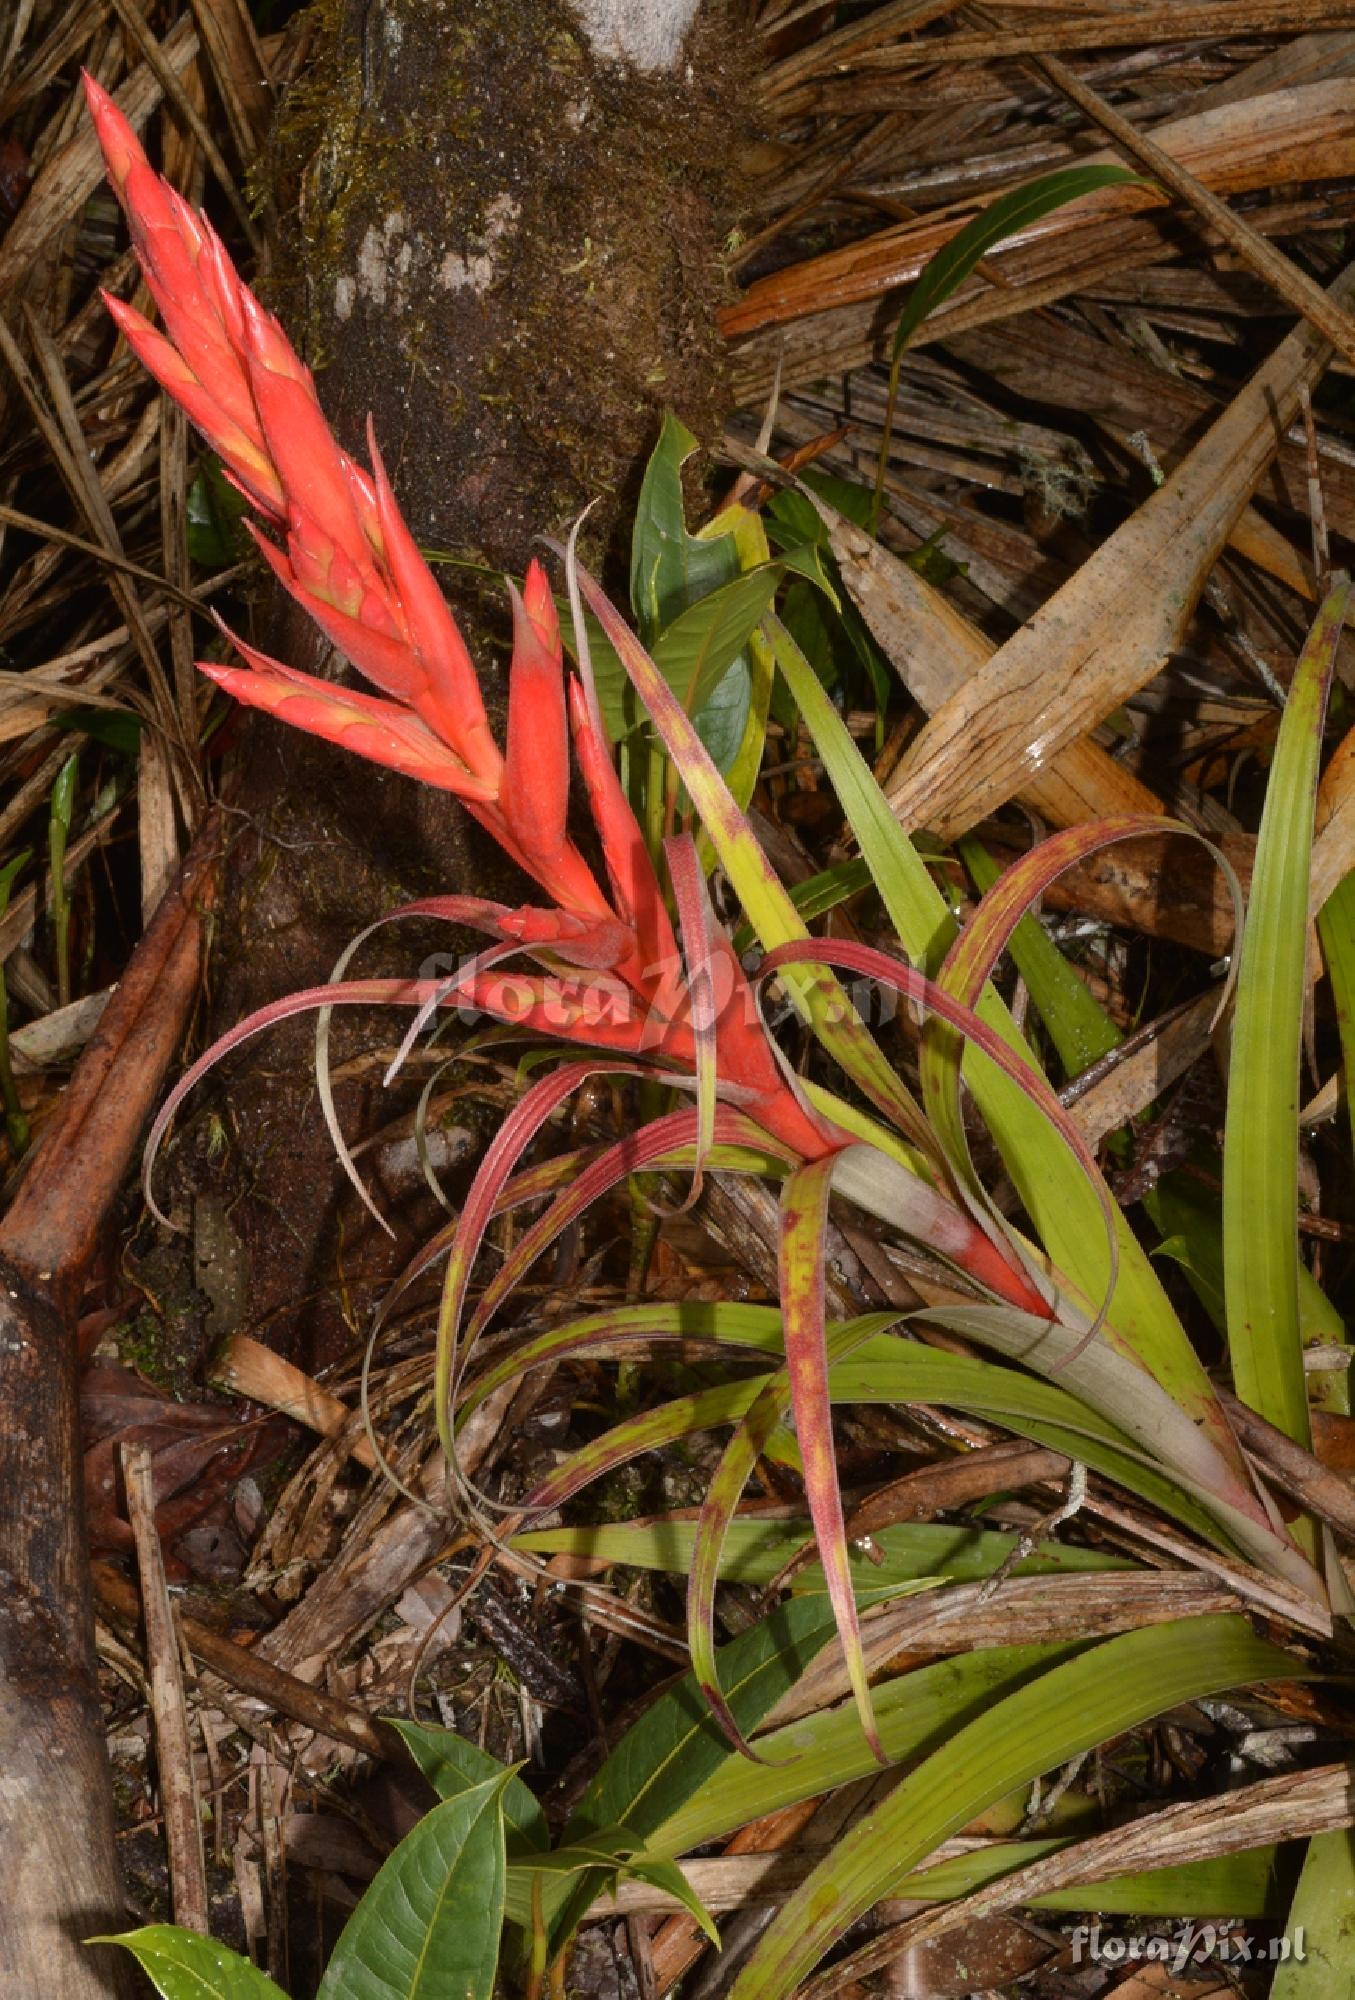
(801, 1252)
(352, 993)
(726, 1489)
(696, 921)
(1019, 1287)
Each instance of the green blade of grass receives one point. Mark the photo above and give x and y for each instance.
(952, 264)
(757, 1549)
(1260, 1146)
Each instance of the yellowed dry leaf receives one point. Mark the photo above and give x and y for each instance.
(937, 653)
(1113, 624)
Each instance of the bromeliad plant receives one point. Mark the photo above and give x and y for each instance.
(640, 981)
(608, 973)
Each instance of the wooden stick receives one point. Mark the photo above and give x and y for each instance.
(56, 1805)
(169, 1710)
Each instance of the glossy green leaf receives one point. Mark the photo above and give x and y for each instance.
(184, 1966)
(215, 513)
(667, 1757)
(669, 567)
(430, 1923)
(722, 721)
(695, 652)
(1102, 1693)
(739, 755)
(1260, 1145)
(453, 1766)
(604, 1858)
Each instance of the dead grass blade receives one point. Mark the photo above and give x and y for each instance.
(1293, 285)
(239, 70)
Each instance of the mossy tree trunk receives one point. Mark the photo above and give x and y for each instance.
(505, 246)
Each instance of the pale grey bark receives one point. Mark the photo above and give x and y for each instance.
(648, 33)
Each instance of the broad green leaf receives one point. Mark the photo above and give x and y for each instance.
(452, 1766)
(722, 721)
(1321, 1927)
(669, 1755)
(670, 568)
(115, 727)
(608, 1856)
(757, 1549)
(695, 652)
(430, 1923)
(184, 1966)
(666, 1875)
(1105, 1691)
(215, 513)
(1260, 1145)
(1007, 216)
(742, 766)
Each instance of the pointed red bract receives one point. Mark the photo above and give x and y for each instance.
(535, 794)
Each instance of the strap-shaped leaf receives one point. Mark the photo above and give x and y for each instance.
(1260, 1145)
(1103, 1692)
